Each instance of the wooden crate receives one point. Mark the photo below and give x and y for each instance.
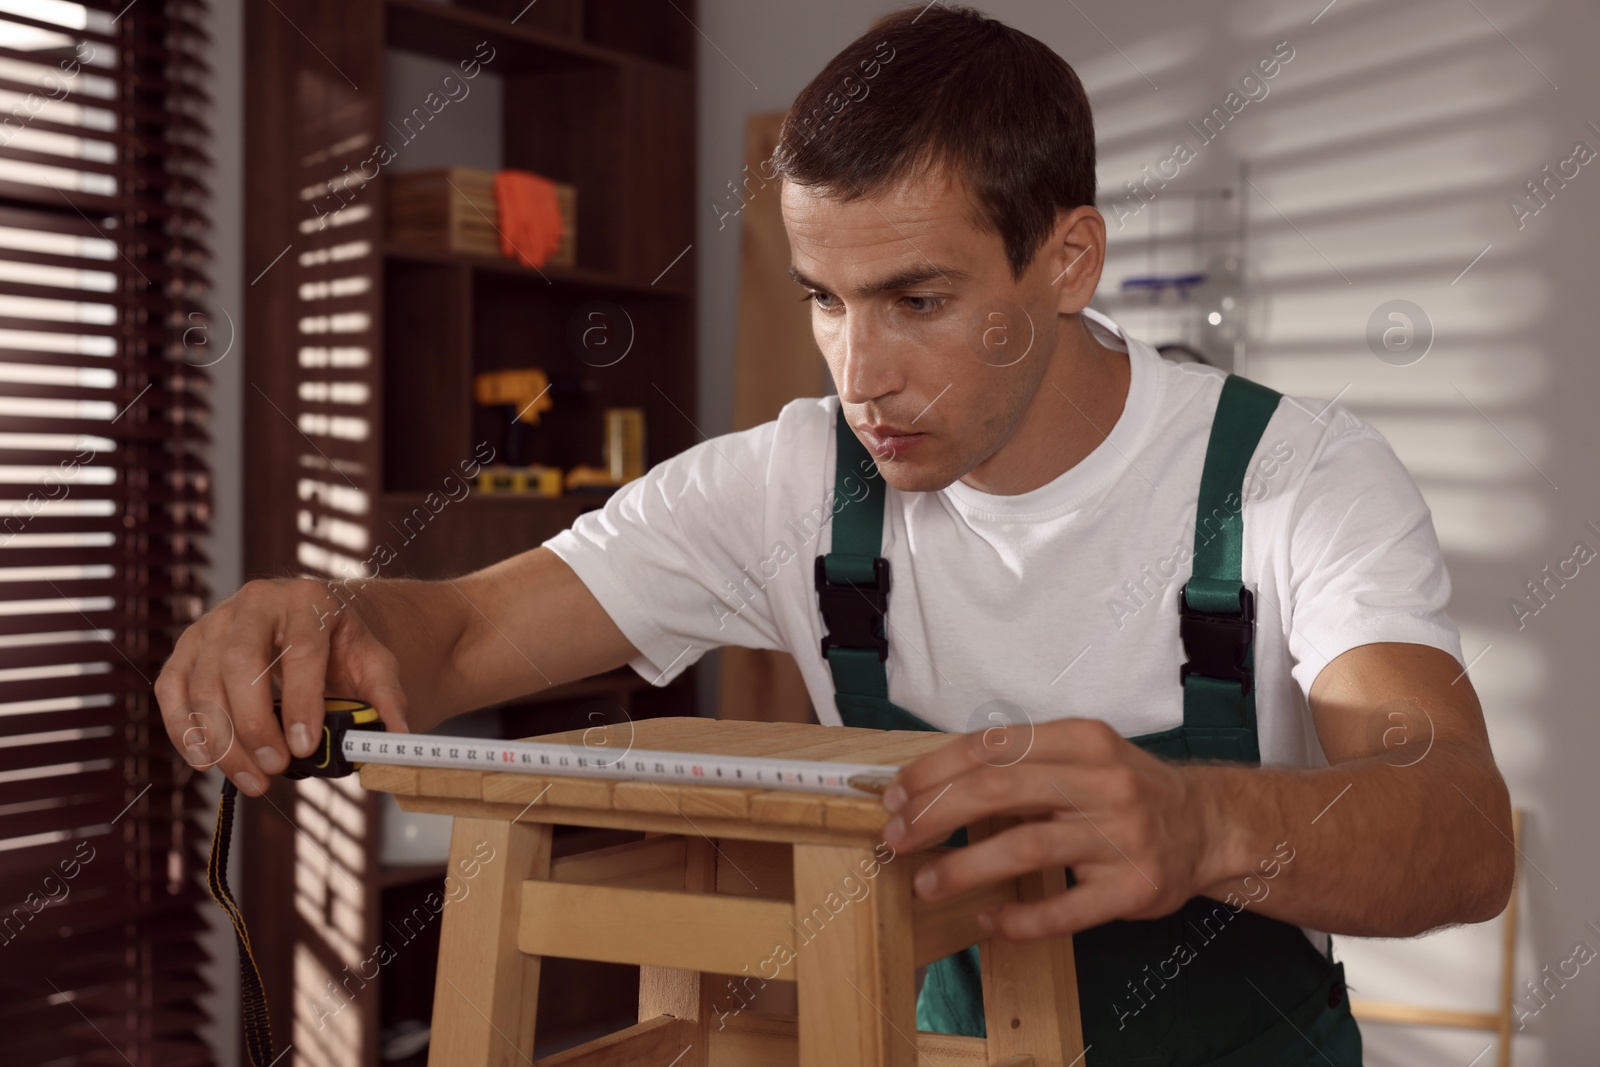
(454, 210)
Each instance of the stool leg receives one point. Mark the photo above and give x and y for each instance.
(487, 991)
(853, 958)
(676, 992)
(1030, 989)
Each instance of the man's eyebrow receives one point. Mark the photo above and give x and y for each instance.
(905, 279)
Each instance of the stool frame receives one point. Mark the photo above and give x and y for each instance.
(730, 886)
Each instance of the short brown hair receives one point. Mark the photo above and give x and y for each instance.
(956, 88)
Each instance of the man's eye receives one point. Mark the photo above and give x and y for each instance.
(919, 305)
(817, 298)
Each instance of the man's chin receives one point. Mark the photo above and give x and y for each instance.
(914, 476)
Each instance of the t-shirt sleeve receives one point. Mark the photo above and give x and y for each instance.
(1365, 564)
(669, 553)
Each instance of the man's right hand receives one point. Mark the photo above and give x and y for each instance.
(216, 690)
(522, 625)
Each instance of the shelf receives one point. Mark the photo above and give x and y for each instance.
(471, 533)
(596, 94)
(449, 32)
(577, 277)
(573, 504)
(450, 316)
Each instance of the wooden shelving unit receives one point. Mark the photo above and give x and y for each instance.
(575, 278)
(360, 362)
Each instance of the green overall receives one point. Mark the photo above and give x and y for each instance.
(1206, 985)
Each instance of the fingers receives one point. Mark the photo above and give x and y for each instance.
(172, 697)
(208, 734)
(215, 691)
(1116, 815)
(1087, 904)
(303, 665)
(208, 710)
(1025, 789)
(201, 731)
(1022, 849)
(1109, 885)
(246, 656)
(373, 674)
(1075, 741)
(1042, 845)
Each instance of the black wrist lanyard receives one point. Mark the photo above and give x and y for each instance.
(339, 714)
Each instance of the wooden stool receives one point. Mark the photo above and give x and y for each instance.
(735, 887)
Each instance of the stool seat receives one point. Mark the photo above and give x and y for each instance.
(732, 888)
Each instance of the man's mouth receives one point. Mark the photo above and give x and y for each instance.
(886, 441)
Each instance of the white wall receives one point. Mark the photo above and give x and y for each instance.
(1383, 159)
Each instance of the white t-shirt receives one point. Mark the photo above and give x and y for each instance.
(1060, 601)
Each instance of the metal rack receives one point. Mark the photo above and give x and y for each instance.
(1161, 280)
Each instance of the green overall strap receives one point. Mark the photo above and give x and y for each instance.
(1216, 611)
(852, 580)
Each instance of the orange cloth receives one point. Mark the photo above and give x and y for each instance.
(530, 220)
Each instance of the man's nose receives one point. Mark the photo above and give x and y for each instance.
(867, 360)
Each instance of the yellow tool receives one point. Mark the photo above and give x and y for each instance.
(624, 453)
(624, 447)
(527, 390)
(535, 480)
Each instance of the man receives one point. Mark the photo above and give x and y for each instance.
(1194, 633)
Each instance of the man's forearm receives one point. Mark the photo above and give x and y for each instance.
(1376, 848)
(420, 623)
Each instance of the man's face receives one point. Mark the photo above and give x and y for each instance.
(935, 350)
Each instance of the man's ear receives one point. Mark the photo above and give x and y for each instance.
(1075, 255)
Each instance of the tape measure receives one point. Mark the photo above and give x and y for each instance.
(353, 734)
(339, 716)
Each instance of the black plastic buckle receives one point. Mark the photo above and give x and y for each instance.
(854, 612)
(1215, 644)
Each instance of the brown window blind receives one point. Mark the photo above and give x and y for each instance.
(104, 505)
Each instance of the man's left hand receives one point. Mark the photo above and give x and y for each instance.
(1132, 827)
